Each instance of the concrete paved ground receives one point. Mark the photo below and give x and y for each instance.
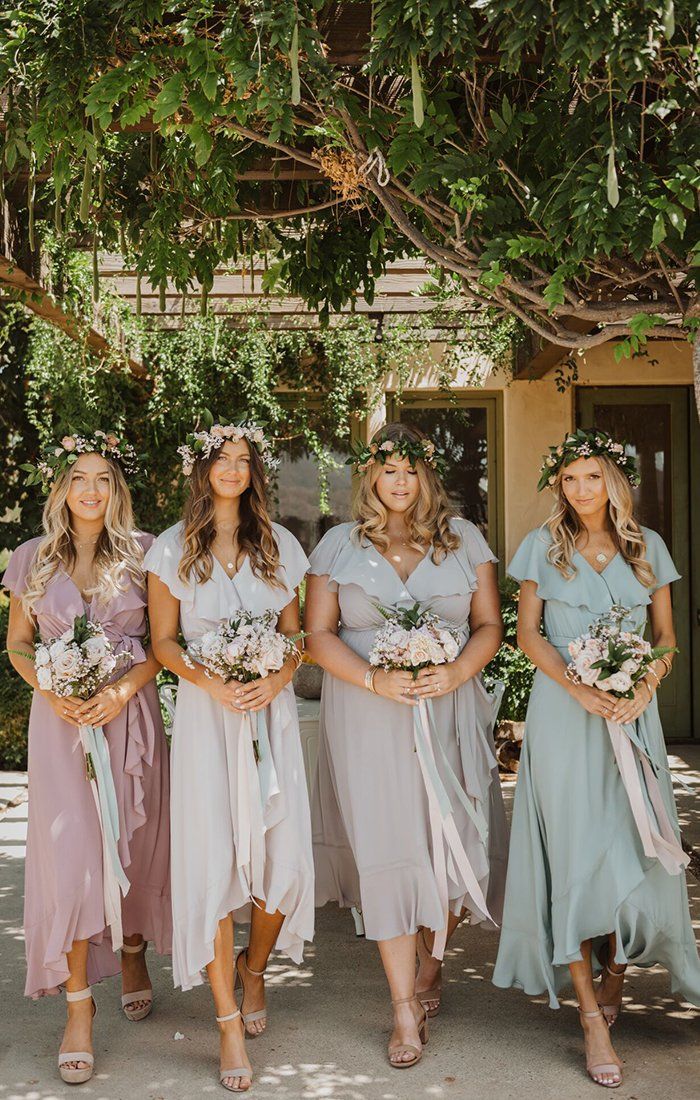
(329, 1020)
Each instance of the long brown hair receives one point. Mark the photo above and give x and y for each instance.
(118, 554)
(428, 519)
(565, 526)
(255, 534)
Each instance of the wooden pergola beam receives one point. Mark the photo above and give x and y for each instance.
(34, 296)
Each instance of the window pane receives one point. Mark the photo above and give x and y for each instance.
(295, 493)
(462, 434)
(647, 428)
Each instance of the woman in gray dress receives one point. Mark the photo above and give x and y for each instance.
(373, 821)
(583, 883)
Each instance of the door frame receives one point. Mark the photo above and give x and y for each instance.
(687, 476)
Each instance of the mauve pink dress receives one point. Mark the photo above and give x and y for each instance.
(63, 898)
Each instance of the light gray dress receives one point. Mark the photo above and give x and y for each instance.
(577, 868)
(370, 817)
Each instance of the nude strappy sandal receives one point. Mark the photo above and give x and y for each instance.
(594, 1071)
(238, 1071)
(77, 1076)
(434, 994)
(248, 1017)
(140, 994)
(408, 1048)
(611, 1012)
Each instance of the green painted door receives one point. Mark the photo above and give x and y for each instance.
(661, 426)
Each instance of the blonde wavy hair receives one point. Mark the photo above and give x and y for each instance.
(118, 552)
(565, 526)
(255, 534)
(428, 519)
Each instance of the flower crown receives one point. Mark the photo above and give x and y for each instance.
(365, 455)
(202, 444)
(57, 457)
(587, 443)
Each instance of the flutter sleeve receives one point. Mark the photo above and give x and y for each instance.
(529, 563)
(326, 558)
(660, 559)
(292, 557)
(15, 576)
(163, 559)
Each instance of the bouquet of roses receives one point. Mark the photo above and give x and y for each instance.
(245, 647)
(78, 664)
(610, 658)
(615, 660)
(412, 639)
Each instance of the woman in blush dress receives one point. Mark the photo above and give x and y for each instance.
(90, 562)
(237, 852)
(374, 819)
(585, 889)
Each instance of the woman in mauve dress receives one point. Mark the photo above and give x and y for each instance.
(241, 842)
(596, 876)
(380, 843)
(90, 562)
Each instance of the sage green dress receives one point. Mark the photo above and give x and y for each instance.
(576, 868)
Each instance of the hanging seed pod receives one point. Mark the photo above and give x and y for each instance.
(138, 294)
(153, 151)
(95, 269)
(307, 248)
(252, 268)
(123, 248)
(86, 192)
(203, 301)
(294, 63)
(613, 189)
(669, 19)
(417, 92)
(101, 182)
(31, 196)
(161, 296)
(183, 306)
(57, 218)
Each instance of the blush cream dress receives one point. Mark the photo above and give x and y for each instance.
(232, 839)
(371, 829)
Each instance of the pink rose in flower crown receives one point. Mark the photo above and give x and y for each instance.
(68, 443)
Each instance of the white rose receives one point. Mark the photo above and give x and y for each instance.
(95, 649)
(67, 663)
(583, 667)
(57, 649)
(43, 675)
(629, 666)
(234, 650)
(619, 681)
(41, 657)
(419, 649)
(107, 665)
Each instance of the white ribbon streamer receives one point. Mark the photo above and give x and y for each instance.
(658, 837)
(446, 842)
(115, 884)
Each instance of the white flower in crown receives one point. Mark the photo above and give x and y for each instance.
(201, 444)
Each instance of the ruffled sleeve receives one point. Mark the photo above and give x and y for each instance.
(15, 576)
(325, 558)
(292, 557)
(529, 563)
(163, 559)
(474, 545)
(659, 559)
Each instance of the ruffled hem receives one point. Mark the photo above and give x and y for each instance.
(191, 957)
(141, 736)
(47, 943)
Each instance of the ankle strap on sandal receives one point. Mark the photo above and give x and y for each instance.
(616, 973)
(129, 950)
(225, 1019)
(81, 995)
(405, 1001)
(591, 1015)
(256, 973)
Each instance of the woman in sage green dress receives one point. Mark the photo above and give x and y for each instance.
(583, 887)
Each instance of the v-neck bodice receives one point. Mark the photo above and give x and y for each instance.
(123, 616)
(203, 605)
(364, 579)
(572, 605)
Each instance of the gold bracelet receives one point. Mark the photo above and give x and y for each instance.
(369, 678)
(666, 660)
(651, 670)
(646, 685)
(298, 656)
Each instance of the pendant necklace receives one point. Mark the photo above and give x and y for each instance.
(601, 557)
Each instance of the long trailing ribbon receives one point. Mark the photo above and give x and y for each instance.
(251, 786)
(446, 842)
(115, 884)
(658, 837)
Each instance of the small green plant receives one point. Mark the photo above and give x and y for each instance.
(510, 665)
(15, 701)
